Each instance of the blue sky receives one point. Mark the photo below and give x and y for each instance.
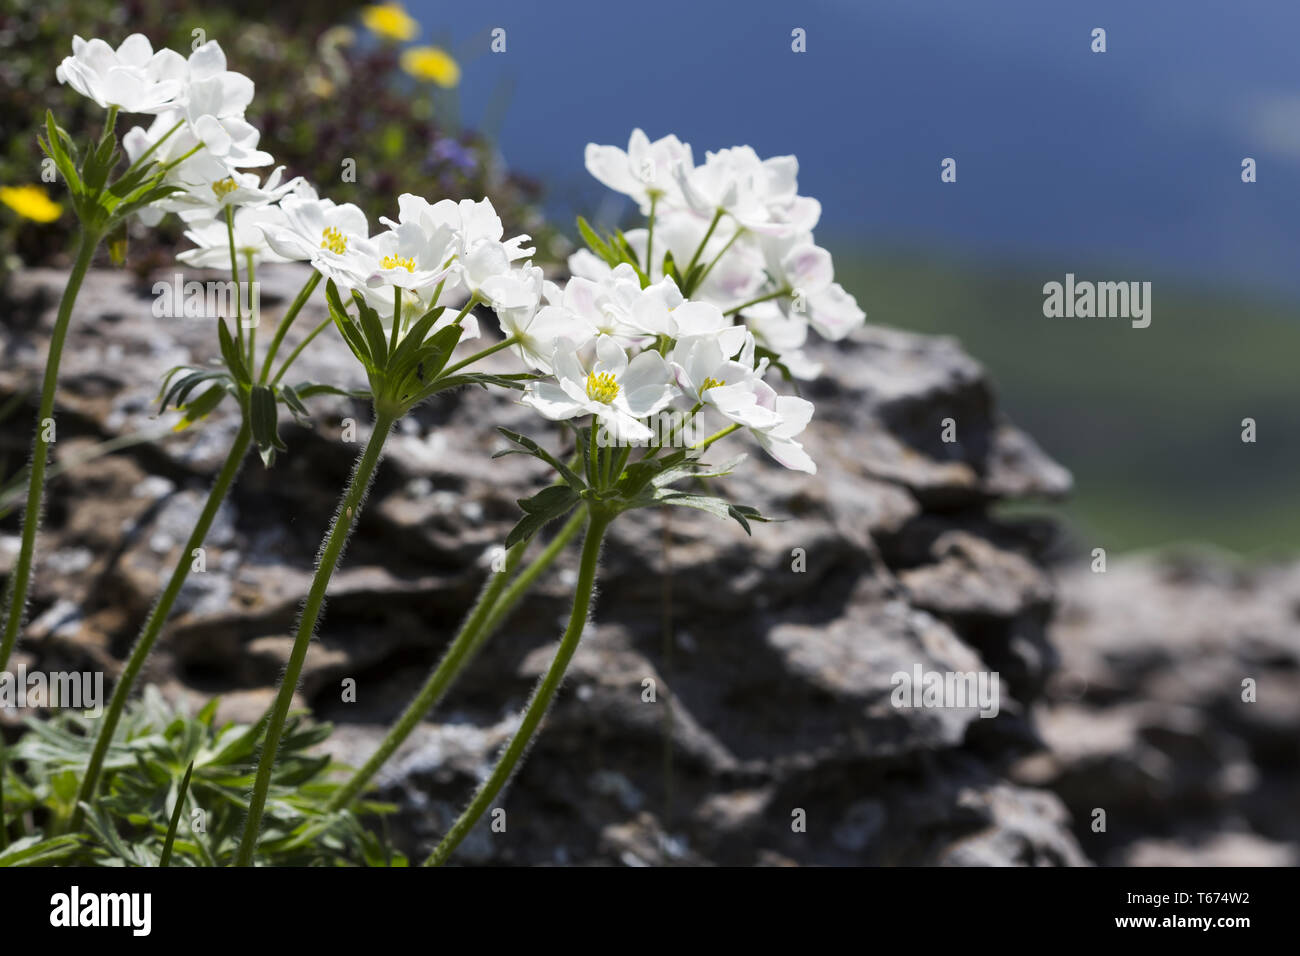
(1131, 157)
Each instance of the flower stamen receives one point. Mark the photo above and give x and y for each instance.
(334, 241)
(601, 387)
(224, 187)
(397, 262)
(711, 383)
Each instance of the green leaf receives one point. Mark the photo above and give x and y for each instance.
(230, 354)
(552, 499)
(376, 340)
(596, 244)
(545, 506)
(351, 334)
(165, 859)
(537, 451)
(414, 338)
(201, 407)
(263, 414)
(742, 514)
(35, 851)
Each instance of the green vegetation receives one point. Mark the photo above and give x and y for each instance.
(1148, 420)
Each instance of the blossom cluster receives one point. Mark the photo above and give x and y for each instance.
(691, 312)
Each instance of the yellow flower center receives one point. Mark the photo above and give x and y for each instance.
(601, 387)
(334, 241)
(224, 187)
(711, 383)
(396, 262)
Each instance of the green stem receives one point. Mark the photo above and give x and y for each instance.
(494, 603)
(785, 290)
(542, 697)
(150, 151)
(234, 274)
(703, 242)
(21, 576)
(252, 329)
(593, 453)
(650, 238)
(397, 320)
(295, 307)
(344, 521)
(153, 625)
(298, 351)
(473, 301)
(701, 445)
(714, 261)
(513, 340)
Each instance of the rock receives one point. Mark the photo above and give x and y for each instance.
(760, 731)
(1177, 711)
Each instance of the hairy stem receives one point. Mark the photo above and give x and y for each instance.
(542, 696)
(21, 576)
(153, 625)
(335, 540)
(494, 603)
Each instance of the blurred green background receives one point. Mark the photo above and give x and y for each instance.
(1148, 420)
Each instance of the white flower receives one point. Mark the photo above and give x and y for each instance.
(707, 376)
(250, 226)
(617, 392)
(132, 77)
(206, 200)
(795, 262)
(778, 440)
(320, 231)
(401, 260)
(229, 144)
(762, 195)
(517, 298)
(783, 335)
(647, 170)
(471, 233)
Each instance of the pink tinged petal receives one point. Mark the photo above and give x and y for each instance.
(808, 268)
(788, 453)
(834, 313)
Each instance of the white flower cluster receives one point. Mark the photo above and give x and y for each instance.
(689, 312)
(621, 341)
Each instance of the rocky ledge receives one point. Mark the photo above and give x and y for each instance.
(771, 737)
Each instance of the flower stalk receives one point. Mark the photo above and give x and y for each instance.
(540, 702)
(20, 579)
(344, 521)
(495, 602)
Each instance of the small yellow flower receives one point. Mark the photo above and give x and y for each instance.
(391, 21)
(432, 64)
(30, 202)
